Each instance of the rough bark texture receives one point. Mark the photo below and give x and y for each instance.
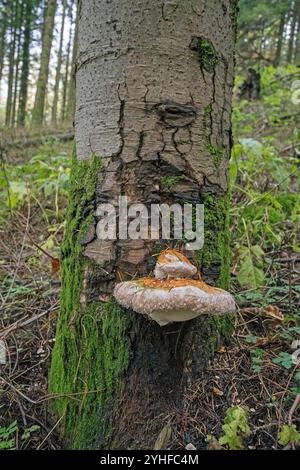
(153, 122)
(39, 102)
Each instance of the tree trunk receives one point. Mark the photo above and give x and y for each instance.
(71, 86)
(280, 40)
(66, 75)
(25, 63)
(19, 22)
(58, 66)
(3, 28)
(153, 101)
(292, 33)
(297, 46)
(11, 63)
(39, 102)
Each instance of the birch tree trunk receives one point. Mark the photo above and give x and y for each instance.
(154, 83)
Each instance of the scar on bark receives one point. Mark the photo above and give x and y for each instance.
(176, 114)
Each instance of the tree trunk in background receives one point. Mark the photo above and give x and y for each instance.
(66, 75)
(297, 44)
(153, 100)
(3, 28)
(280, 40)
(11, 63)
(71, 87)
(25, 63)
(19, 22)
(58, 66)
(291, 43)
(39, 102)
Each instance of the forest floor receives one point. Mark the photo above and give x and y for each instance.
(249, 393)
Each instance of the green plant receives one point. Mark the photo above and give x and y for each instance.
(284, 359)
(7, 436)
(257, 355)
(235, 428)
(289, 435)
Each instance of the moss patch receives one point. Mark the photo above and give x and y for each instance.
(208, 56)
(90, 351)
(215, 251)
(169, 182)
(217, 154)
(215, 254)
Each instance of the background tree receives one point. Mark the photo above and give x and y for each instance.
(39, 103)
(154, 90)
(58, 66)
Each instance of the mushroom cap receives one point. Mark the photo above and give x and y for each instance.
(174, 300)
(173, 264)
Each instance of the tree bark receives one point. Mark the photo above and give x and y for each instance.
(39, 102)
(67, 66)
(3, 29)
(297, 45)
(25, 63)
(280, 40)
(292, 32)
(58, 66)
(19, 22)
(11, 63)
(71, 86)
(153, 101)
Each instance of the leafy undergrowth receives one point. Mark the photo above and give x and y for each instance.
(249, 394)
(33, 201)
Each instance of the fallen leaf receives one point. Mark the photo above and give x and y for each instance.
(217, 392)
(163, 438)
(222, 350)
(55, 265)
(274, 312)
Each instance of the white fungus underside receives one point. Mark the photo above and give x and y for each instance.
(172, 305)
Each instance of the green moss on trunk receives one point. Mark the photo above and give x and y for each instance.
(215, 254)
(91, 349)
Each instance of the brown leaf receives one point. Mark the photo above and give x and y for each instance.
(55, 266)
(274, 312)
(163, 438)
(217, 392)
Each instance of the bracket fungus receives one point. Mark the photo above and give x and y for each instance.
(172, 296)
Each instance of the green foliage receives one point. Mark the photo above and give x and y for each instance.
(289, 435)
(45, 175)
(284, 359)
(235, 428)
(8, 435)
(262, 179)
(257, 355)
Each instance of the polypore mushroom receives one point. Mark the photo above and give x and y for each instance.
(173, 264)
(173, 299)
